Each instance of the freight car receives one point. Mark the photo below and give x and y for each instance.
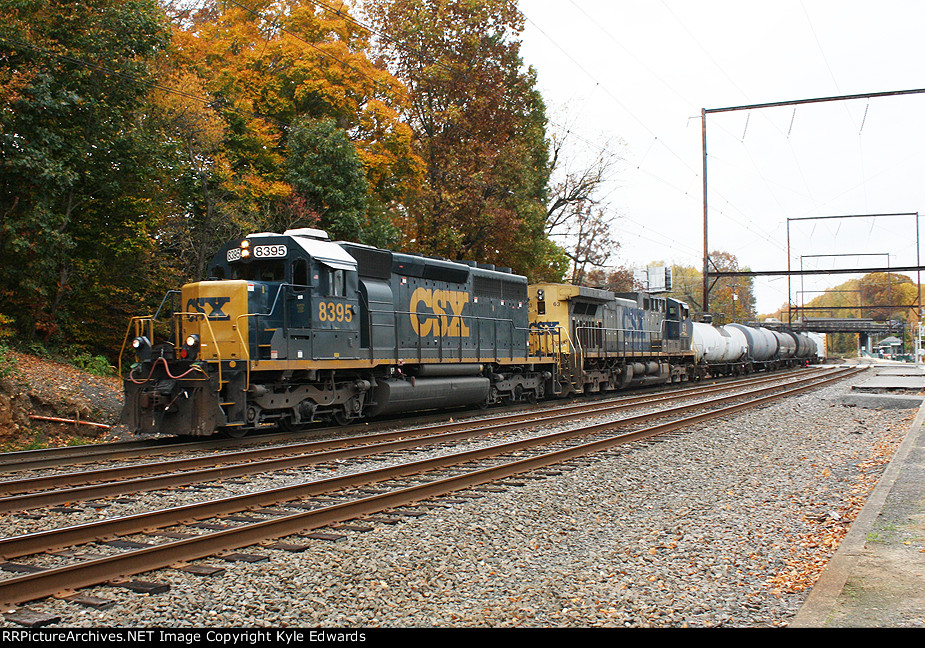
(293, 328)
(740, 349)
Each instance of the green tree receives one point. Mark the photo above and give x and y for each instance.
(325, 170)
(80, 159)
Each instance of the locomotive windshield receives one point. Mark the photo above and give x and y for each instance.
(263, 270)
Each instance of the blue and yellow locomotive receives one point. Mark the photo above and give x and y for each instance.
(294, 328)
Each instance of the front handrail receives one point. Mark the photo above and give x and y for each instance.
(146, 324)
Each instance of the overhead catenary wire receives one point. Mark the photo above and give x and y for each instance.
(751, 226)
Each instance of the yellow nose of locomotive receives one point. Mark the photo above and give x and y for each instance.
(216, 312)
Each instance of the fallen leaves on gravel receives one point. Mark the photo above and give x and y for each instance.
(812, 550)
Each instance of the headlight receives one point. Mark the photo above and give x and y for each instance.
(190, 347)
(142, 348)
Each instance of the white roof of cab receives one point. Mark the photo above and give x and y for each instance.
(330, 254)
(319, 246)
(309, 232)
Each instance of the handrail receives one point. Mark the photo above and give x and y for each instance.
(138, 321)
(164, 301)
(135, 321)
(643, 333)
(247, 352)
(440, 347)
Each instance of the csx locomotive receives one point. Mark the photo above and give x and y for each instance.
(294, 328)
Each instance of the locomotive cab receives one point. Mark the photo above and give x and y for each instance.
(302, 295)
(270, 299)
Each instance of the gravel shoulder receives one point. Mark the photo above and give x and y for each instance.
(728, 524)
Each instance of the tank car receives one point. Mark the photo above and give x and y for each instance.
(763, 345)
(819, 339)
(764, 349)
(720, 350)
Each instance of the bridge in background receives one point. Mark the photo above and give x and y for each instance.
(869, 331)
(841, 325)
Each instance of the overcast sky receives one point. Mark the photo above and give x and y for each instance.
(637, 73)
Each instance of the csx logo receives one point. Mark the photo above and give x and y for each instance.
(198, 305)
(438, 312)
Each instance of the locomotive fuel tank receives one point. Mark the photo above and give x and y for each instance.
(397, 395)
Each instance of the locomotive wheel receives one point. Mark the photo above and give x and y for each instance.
(341, 418)
(234, 432)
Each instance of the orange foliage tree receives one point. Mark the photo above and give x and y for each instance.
(289, 79)
(479, 124)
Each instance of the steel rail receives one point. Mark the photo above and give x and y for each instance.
(96, 476)
(38, 585)
(49, 457)
(144, 522)
(441, 433)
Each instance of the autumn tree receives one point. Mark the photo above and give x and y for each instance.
(310, 128)
(587, 242)
(687, 286)
(880, 296)
(618, 279)
(81, 162)
(732, 299)
(577, 212)
(479, 125)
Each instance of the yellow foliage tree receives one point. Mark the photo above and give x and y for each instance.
(269, 65)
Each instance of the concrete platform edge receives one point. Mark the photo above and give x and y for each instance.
(821, 602)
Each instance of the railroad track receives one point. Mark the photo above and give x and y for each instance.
(61, 488)
(25, 460)
(307, 506)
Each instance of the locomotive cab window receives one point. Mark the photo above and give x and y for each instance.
(335, 285)
(300, 275)
(264, 270)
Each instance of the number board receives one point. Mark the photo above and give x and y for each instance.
(265, 251)
(258, 252)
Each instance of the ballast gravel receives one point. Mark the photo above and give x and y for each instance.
(695, 530)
